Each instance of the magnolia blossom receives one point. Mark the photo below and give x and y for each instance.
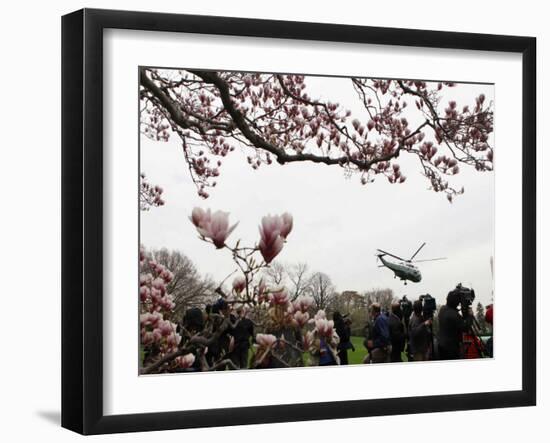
(166, 327)
(279, 297)
(149, 195)
(213, 226)
(200, 217)
(239, 284)
(261, 291)
(266, 340)
(287, 224)
(155, 303)
(273, 232)
(324, 327)
(320, 315)
(185, 361)
(303, 303)
(307, 341)
(301, 318)
(150, 319)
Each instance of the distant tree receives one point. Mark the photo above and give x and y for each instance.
(276, 273)
(299, 279)
(384, 297)
(480, 317)
(322, 290)
(188, 287)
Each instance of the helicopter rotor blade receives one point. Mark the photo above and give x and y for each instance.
(417, 251)
(430, 259)
(390, 254)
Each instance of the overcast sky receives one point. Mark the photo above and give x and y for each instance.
(338, 223)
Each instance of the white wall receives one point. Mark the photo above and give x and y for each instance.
(30, 234)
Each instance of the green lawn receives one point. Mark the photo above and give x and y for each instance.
(354, 357)
(357, 356)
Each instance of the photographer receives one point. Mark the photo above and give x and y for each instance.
(420, 335)
(397, 333)
(452, 326)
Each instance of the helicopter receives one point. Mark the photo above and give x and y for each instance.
(404, 269)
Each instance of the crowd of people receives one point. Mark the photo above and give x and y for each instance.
(403, 333)
(396, 337)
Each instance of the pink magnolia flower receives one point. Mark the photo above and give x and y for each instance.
(266, 340)
(144, 293)
(166, 327)
(308, 340)
(145, 279)
(301, 318)
(173, 339)
(271, 240)
(262, 287)
(320, 315)
(185, 361)
(324, 327)
(157, 335)
(287, 224)
(213, 226)
(159, 284)
(150, 319)
(239, 284)
(200, 217)
(147, 338)
(303, 303)
(279, 297)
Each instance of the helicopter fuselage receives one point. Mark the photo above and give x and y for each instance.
(403, 270)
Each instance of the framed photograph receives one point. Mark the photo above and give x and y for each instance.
(270, 221)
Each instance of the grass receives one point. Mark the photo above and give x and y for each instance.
(354, 357)
(357, 356)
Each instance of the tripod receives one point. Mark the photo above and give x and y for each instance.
(474, 331)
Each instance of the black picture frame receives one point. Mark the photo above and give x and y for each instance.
(82, 220)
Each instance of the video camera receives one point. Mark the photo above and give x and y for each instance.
(466, 296)
(428, 306)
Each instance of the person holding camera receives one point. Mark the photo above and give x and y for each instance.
(420, 334)
(452, 326)
(397, 333)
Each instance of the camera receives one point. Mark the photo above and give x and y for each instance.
(465, 295)
(428, 305)
(406, 307)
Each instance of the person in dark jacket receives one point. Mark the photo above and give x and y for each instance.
(219, 323)
(397, 333)
(451, 329)
(378, 344)
(242, 332)
(420, 335)
(344, 333)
